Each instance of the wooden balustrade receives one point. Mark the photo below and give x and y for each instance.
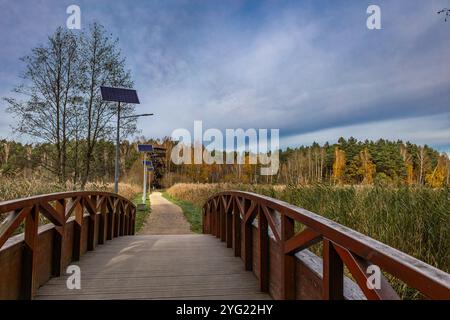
(79, 222)
(231, 216)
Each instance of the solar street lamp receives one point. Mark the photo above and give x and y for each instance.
(120, 95)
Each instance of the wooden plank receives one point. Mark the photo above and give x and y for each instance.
(301, 241)
(71, 207)
(11, 223)
(358, 268)
(272, 224)
(180, 266)
(51, 214)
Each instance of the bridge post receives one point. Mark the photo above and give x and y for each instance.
(92, 223)
(133, 223)
(116, 218)
(287, 260)
(236, 228)
(58, 240)
(102, 221)
(121, 219)
(78, 224)
(333, 273)
(229, 221)
(223, 220)
(127, 220)
(216, 220)
(29, 283)
(248, 235)
(264, 256)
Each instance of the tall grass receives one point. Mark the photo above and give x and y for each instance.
(413, 220)
(18, 187)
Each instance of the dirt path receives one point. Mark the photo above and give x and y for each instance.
(165, 218)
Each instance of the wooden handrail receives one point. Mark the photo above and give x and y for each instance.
(109, 215)
(230, 215)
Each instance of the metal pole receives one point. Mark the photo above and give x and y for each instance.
(116, 174)
(144, 194)
(150, 175)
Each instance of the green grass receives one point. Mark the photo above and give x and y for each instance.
(192, 212)
(141, 215)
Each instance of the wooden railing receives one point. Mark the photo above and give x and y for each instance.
(262, 231)
(30, 259)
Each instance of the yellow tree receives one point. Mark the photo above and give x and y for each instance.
(407, 160)
(367, 169)
(437, 178)
(338, 166)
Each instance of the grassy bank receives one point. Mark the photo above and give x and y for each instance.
(192, 212)
(141, 215)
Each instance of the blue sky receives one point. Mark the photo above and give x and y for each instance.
(310, 68)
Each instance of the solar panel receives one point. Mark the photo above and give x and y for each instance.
(145, 148)
(119, 95)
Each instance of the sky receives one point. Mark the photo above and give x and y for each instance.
(309, 68)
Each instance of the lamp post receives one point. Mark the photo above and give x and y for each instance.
(119, 95)
(116, 174)
(145, 148)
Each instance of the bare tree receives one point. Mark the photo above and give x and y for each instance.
(423, 162)
(49, 82)
(102, 64)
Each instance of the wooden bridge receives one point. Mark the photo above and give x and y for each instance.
(252, 247)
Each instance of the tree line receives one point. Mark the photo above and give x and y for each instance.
(59, 105)
(348, 161)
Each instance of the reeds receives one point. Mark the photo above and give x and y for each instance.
(415, 220)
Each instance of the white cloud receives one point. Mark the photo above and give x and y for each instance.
(305, 68)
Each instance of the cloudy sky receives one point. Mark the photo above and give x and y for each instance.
(310, 68)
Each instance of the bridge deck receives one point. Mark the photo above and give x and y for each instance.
(187, 266)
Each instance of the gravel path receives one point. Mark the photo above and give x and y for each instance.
(165, 218)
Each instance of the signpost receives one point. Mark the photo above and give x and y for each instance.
(145, 148)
